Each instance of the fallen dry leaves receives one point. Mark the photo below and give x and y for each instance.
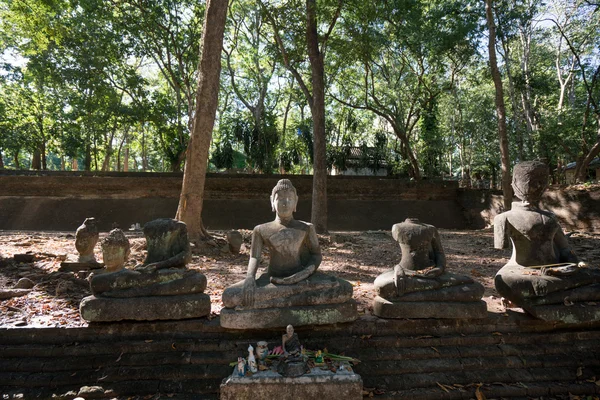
(358, 257)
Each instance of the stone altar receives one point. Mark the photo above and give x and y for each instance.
(291, 291)
(161, 288)
(543, 275)
(419, 286)
(317, 384)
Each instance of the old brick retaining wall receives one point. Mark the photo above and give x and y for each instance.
(510, 355)
(577, 210)
(61, 200)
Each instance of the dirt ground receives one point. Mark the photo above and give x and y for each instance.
(355, 256)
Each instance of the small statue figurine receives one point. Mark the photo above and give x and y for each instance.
(241, 367)
(419, 286)
(291, 290)
(262, 350)
(319, 357)
(86, 238)
(293, 362)
(290, 342)
(543, 275)
(252, 360)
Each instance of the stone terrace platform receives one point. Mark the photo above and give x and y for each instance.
(510, 355)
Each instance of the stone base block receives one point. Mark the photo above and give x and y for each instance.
(281, 317)
(576, 314)
(429, 309)
(269, 385)
(103, 309)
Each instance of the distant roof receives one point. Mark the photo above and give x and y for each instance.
(594, 163)
(356, 156)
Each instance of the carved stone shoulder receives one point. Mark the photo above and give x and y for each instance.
(501, 239)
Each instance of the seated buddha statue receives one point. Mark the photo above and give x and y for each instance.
(419, 286)
(161, 288)
(291, 291)
(543, 275)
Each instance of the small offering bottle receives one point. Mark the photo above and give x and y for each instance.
(251, 360)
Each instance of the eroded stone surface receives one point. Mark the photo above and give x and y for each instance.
(291, 286)
(104, 309)
(115, 250)
(543, 271)
(429, 309)
(86, 238)
(167, 243)
(274, 317)
(419, 286)
(315, 385)
(234, 241)
(166, 282)
(155, 290)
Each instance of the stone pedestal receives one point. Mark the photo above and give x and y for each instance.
(283, 316)
(318, 384)
(104, 309)
(429, 309)
(577, 313)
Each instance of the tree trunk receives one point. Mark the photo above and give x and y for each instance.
(319, 192)
(500, 109)
(74, 166)
(88, 157)
(16, 158)
(36, 160)
(589, 157)
(126, 159)
(1, 161)
(43, 156)
(513, 100)
(207, 100)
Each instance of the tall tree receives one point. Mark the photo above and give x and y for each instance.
(207, 101)
(168, 32)
(581, 32)
(500, 108)
(316, 48)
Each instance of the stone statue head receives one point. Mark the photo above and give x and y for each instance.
(530, 179)
(284, 198)
(115, 250)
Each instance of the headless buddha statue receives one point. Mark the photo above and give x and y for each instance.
(543, 275)
(419, 286)
(291, 279)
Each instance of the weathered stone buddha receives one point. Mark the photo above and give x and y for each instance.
(419, 286)
(86, 238)
(161, 288)
(115, 250)
(543, 275)
(291, 291)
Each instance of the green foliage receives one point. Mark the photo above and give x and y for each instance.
(91, 79)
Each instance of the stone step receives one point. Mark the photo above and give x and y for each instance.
(207, 329)
(398, 382)
(49, 364)
(481, 364)
(496, 391)
(180, 390)
(114, 374)
(493, 350)
(407, 358)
